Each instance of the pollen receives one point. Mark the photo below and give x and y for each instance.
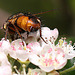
(24, 47)
(50, 57)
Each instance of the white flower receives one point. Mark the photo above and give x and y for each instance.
(5, 46)
(67, 48)
(48, 34)
(18, 48)
(51, 58)
(34, 47)
(15, 49)
(5, 67)
(22, 52)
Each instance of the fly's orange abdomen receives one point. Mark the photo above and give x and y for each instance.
(22, 22)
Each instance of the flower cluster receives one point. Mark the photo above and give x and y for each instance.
(47, 56)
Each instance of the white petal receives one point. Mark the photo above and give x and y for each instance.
(34, 59)
(3, 59)
(47, 69)
(70, 55)
(46, 32)
(21, 55)
(55, 33)
(13, 54)
(18, 43)
(45, 49)
(6, 47)
(5, 67)
(5, 70)
(60, 66)
(35, 47)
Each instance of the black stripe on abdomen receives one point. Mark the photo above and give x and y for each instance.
(11, 28)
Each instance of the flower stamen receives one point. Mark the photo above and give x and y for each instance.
(15, 67)
(24, 69)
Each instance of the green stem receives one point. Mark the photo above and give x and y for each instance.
(26, 63)
(67, 70)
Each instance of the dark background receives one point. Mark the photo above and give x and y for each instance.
(62, 18)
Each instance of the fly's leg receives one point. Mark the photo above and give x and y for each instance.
(5, 26)
(6, 32)
(42, 37)
(18, 33)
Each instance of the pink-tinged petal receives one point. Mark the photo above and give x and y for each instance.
(48, 61)
(35, 73)
(21, 43)
(43, 55)
(56, 60)
(29, 45)
(68, 49)
(0, 44)
(61, 65)
(18, 51)
(13, 48)
(18, 44)
(34, 47)
(46, 49)
(20, 48)
(47, 69)
(49, 51)
(63, 55)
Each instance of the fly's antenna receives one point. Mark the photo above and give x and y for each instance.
(45, 12)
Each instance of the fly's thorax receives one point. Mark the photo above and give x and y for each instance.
(32, 25)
